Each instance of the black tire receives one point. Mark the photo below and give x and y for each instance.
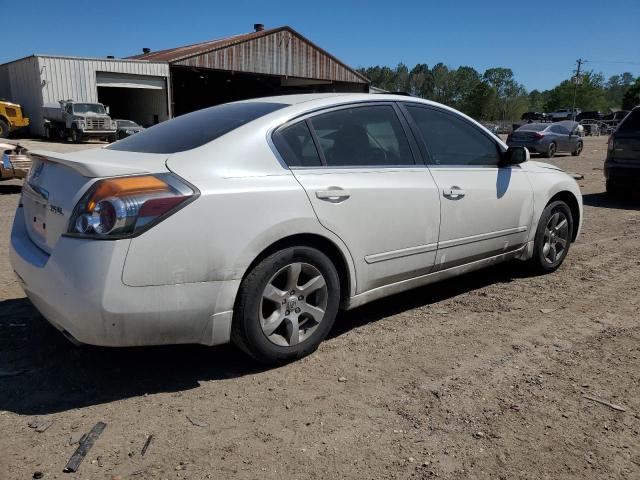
(75, 135)
(578, 149)
(539, 262)
(551, 150)
(112, 138)
(47, 132)
(4, 129)
(246, 331)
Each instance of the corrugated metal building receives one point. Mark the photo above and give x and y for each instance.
(154, 86)
(263, 62)
(132, 89)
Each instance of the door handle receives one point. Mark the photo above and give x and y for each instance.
(454, 192)
(333, 195)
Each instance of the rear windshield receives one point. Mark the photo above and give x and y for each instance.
(535, 127)
(631, 123)
(196, 128)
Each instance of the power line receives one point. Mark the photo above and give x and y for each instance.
(611, 61)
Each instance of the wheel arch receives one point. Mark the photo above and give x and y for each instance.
(570, 199)
(323, 244)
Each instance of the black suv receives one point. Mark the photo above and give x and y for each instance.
(622, 166)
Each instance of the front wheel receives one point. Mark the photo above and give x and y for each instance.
(286, 305)
(553, 237)
(578, 150)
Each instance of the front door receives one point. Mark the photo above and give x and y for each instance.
(358, 169)
(486, 209)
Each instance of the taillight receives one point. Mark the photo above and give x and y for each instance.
(611, 144)
(539, 135)
(125, 206)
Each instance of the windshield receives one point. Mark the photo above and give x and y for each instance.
(127, 124)
(535, 127)
(196, 128)
(89, 108)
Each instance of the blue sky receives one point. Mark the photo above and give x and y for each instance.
(539, 40)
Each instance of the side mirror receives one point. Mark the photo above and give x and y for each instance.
(106, 108)
(515, 156)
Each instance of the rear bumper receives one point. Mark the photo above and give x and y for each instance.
(622, 174)
(79, 290)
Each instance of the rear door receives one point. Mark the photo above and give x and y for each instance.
(561, 137)
(486, 209)
(359, 170)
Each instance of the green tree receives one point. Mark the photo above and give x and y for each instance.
(632, 97)
(590, 93)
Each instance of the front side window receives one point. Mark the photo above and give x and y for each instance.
(296, 146)
(453, 141)
(362, 137)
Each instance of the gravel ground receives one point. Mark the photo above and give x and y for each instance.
(483, 376)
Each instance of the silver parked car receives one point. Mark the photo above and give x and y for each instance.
(548, 138)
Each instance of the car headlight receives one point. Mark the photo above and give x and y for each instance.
(130, 132)
(126, 206)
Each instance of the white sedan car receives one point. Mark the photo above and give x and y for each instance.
(255, 221)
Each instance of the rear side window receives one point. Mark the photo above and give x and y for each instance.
(631, 123)
(452, 140)
(296, 146)
(196, 128)
(362, 137)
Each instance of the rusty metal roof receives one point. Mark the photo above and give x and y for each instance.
(201, 54)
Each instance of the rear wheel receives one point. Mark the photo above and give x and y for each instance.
(4, 129)
(286, 305)
(551, 150)
(553, 237)
(578, 150)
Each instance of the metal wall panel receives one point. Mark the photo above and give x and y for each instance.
(282, 53)
(21, 84)
(65, 78)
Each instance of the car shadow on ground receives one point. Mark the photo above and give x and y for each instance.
(10, 189)
(41, 372)
(603, 200)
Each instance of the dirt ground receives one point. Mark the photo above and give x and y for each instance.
(483, 376)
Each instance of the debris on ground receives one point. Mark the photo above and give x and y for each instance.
(40, 425)
(604, 402)
(342, 379)
(146, 445)
(84, 447)
(196, 422)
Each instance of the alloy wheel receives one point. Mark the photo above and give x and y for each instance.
(293, 304)
(556, 237)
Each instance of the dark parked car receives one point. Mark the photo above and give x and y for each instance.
(589, 116)
(533, 116)
(548, 138)
(126, 128)
(622, 166)
(617, 116)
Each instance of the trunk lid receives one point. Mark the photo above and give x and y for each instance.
(57, 181)
(524, 135)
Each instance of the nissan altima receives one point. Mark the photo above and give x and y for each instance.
(256, 221)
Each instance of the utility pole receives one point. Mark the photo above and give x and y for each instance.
(575, 89)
